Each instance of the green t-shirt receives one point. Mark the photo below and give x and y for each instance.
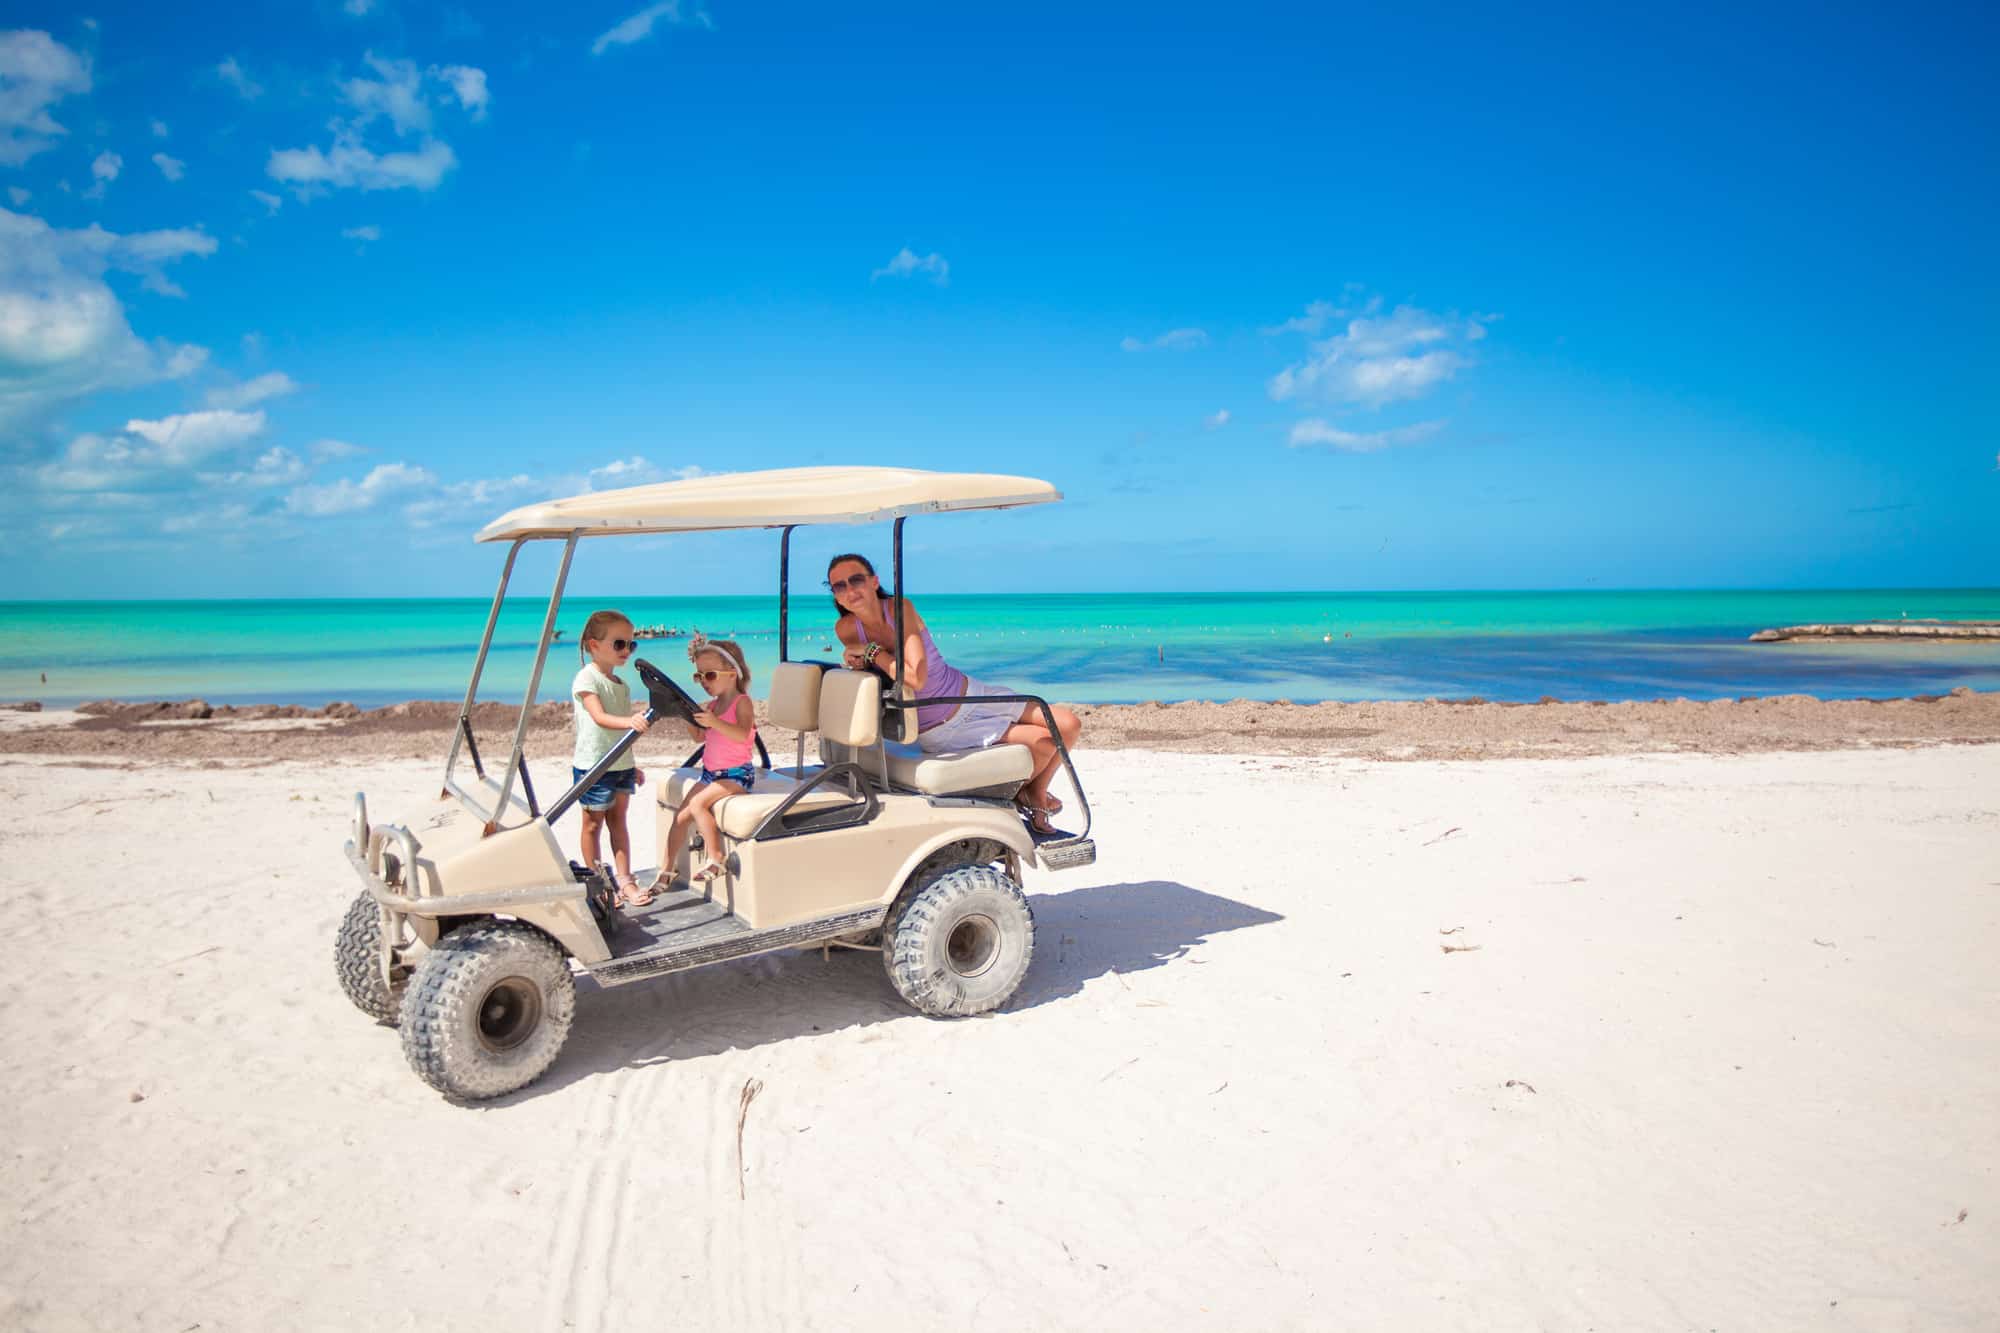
(592, 741)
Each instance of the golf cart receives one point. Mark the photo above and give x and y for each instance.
(471, 914)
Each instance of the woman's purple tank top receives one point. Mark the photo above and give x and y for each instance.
(941, 680)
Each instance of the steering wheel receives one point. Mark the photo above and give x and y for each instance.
(667, 699)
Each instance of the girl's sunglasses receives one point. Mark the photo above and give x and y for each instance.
(857, 582)
(623, 645)
(708, 677)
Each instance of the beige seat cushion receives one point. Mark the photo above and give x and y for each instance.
(794, 696)
(739, 816)
(951, 771)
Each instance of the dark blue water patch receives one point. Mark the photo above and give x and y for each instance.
(1694, 664)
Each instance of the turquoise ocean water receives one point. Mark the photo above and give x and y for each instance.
(1101, 648)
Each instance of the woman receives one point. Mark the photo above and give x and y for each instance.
(867, 629)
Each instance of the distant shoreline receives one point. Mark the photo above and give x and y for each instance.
(1885, 630)
(192, 731)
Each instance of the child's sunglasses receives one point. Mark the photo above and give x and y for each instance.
(623, 645)
(707, 677)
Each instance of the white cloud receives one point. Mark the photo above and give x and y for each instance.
(19, 195)
(351, 166)
(272, 384)
(1173, 340)
(1314, 433)
(147, 453)
(364, 234)
(397, 94)
(908, 262)
(326, 450)
(104, 169)
(1216, 420)
(346, 497)
(271, 202)
(36, 72)
(404, 97)
(467, 84)
(485, 498)
(639, 26)
(170, 167)
(63, 331)
(358, 8)
(233, 74)
(159, 128)
(277, 466)
(208, 520)
(189, 436)
(1314, 319)
(480, 500)
(1378, 359)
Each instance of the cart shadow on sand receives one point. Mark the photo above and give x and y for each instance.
(1081, 935)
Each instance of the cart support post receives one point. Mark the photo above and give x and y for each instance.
(896, 543)
(515, 762)
(464, 733)
(784, 591)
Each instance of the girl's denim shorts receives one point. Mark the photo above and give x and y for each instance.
(601, 793)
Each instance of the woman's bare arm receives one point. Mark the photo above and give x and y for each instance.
(916, 662)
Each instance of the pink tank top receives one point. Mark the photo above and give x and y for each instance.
(719, 752)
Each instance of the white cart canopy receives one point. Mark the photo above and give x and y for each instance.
(776, 499)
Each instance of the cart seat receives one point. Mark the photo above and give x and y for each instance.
(739, 816)
(956, 772)
(850, 709)
(793, 703)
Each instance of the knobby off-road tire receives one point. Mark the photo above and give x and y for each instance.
(357, 959)
(960, 943)
(488, 1010)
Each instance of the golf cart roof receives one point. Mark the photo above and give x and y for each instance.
(775, 499)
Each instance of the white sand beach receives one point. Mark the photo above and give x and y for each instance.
(1718, 1051)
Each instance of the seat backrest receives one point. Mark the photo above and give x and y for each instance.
(850, 708)
(795, 695)
(900, 724)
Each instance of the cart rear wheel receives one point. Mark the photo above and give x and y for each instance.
(357, 958)
(488, 1010)
(961, 943)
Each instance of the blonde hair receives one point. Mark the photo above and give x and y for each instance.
(593, 628)
(726, 648)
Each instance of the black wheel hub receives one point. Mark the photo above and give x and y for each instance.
(973, 945)
(509, 1013)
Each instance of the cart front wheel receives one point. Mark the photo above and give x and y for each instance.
(488, 1010)
(357, 959)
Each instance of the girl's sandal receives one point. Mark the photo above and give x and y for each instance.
(712, 870)
(631, 893)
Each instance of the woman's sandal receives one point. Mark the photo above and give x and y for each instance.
(1037, 816)
(631, 893)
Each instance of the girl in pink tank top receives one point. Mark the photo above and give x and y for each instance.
(727, 729)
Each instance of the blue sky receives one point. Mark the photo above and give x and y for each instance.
(1282, 297)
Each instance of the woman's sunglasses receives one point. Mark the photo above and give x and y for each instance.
(709, 677)
(857, 583)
